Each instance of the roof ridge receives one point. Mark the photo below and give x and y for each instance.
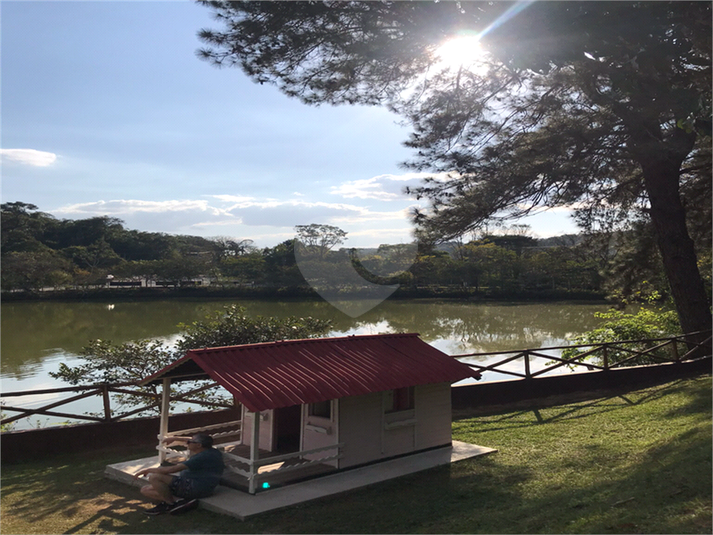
(277, 374)
(305, 340)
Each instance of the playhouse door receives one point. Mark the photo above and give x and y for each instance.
(267, 436)
(288, 424)
(320, 429)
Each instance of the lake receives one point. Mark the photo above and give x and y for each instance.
(38, 336)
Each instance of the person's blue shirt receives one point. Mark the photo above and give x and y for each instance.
(205, 469)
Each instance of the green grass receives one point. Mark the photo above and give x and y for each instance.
(633, 463)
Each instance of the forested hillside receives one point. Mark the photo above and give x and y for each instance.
(40, 251)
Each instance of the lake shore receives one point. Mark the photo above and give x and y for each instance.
(305, 293)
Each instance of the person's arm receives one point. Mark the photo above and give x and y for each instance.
(170, 440)
(170, 469)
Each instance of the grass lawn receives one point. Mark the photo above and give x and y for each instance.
(633, 463)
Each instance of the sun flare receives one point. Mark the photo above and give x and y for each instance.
(462, 51)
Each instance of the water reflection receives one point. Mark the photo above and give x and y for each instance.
(38, 331)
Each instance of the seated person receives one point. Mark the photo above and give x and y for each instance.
(198, 477)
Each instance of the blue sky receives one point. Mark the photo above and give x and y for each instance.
(106, 110)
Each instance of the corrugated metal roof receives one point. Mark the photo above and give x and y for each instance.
(292, 372)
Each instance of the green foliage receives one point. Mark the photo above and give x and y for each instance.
(317, 239)
(35, 270)
(39, 250)
(511, 262)
(233, 326)
(246, 268)
(22, 226)
(106, 362)
(576, 103)
(620, 326)
(646, 323)
(4, 428)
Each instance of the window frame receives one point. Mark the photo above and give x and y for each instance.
(314, 410)
(401, 400)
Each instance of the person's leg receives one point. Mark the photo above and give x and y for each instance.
(158, 488)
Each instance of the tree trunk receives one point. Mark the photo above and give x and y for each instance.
(661, 177)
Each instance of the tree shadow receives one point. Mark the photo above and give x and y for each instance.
(655, 494)
(61, 488)
(698, 404)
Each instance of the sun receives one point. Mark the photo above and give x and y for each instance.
(464, 51)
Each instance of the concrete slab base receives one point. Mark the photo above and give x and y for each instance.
(243, 505)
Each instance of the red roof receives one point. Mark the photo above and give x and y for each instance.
(292, 372)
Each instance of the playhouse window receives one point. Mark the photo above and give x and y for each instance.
(400, 399)
(322, 409)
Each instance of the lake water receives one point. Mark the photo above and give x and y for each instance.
(38, 336)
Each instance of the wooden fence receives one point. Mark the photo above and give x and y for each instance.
(627, 353)
(102, 390)
(600, 356)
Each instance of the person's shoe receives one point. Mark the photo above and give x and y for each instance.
(181, 506)
(160, 509)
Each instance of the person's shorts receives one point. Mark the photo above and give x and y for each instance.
(187, 488)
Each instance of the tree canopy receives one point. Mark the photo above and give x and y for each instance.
(319, 239)
(602, 106)
(106, 362)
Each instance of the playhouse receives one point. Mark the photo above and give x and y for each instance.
(318, 405)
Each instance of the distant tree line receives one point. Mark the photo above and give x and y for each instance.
(40, 251)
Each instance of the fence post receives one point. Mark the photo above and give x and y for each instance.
(674, 346)
(528, 375)
(107, 402)
(605, 358)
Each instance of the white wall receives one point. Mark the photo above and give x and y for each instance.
(370, 435)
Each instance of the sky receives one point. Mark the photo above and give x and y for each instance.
(107, 111)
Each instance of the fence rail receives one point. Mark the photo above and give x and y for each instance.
(609, 355)
(103, 390)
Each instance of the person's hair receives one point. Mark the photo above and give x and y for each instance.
(206, 441)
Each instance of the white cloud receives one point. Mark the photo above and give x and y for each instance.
(267, 221)
(368, 188)
(234, 198)
(277, 213)
(368, 215)
(130, 206)
(174, 216)
(36, 158)
(226, 210)
(383, 187)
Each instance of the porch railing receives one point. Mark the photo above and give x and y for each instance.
(251, 470)
(231, 430)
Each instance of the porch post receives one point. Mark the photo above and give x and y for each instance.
(163, 426)
(254, 453)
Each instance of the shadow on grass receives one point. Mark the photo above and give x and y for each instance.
(529, 487)
(699, 403)
(667, 490)
(408, 504)
(653, 495)
(54, 492)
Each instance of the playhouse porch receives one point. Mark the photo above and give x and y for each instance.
(242, 505)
